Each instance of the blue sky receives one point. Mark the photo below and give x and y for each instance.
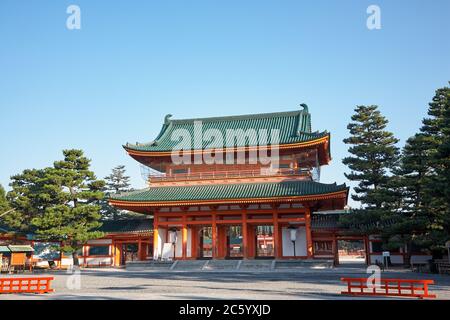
(133, 62)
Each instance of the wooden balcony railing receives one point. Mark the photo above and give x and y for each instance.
(230, 174)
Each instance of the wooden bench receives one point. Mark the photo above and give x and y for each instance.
(26, 285)
(388, 287)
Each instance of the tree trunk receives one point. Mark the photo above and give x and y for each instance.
(76, 261)
(407, 254)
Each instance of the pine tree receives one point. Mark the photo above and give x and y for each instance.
(374, 154)
(408, 225)
(58, 203)
(436, 129)
(117, 182)
(4, 205)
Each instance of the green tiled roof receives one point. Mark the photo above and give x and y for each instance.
(4, 249)
(324, 221)
(294, 127)
(127, 226)
(231, 191)
(20, 248)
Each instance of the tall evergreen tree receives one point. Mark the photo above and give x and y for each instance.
(4, 205)
(436, 129)
(58, 203)
(408, 225)
(373, 155)
(116, 182)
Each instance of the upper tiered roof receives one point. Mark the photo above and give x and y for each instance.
(294, 129)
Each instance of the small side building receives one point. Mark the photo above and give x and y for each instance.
(125, 240)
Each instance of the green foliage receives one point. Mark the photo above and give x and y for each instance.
(116, 182)
(4, 205)
(373, 155)
(58, 203)
(412, 207)
(436, 129)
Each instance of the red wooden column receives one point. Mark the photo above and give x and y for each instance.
(245, 237)
(309, 244)
(335, 249)
(155, 236)
(184, 236)
(276, 234)
(140, 249)
(214, 234)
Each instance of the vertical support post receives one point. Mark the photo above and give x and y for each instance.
(184, 235)
(309, 244)
(335, 250)
(214, 235)
(140, 249)
(155, 237)
(276, 234)
(244, 232)
(367, 249)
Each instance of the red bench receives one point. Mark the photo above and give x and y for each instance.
(388, 287)
(26, 285)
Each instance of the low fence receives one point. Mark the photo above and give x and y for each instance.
(26, 285)
(388, 287)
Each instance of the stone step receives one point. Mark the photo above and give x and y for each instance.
(221, 265)
(148, 265)
(181, 265)
(256, 265)
(302, 264)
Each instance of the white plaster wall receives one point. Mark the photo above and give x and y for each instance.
(97, 261)
(300, 243)
(161, 239)
(67, 262)
(179, 244)
(420, 259)
(395, 259)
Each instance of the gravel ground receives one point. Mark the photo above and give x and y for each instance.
(275, 285)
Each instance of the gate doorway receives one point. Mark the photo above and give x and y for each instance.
(264, 242)
(234, 242)
(205, 249)
(129, 252)
(352, 251)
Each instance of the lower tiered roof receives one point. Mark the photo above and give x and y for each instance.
(223, 193)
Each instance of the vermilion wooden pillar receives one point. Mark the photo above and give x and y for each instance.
(245, 237)
(214, 236)
(184, 236)
(276, 235)
(251, 241)
(309, 244)
(221, 241)
(155, 237)
(194, 241)
(140, 250)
